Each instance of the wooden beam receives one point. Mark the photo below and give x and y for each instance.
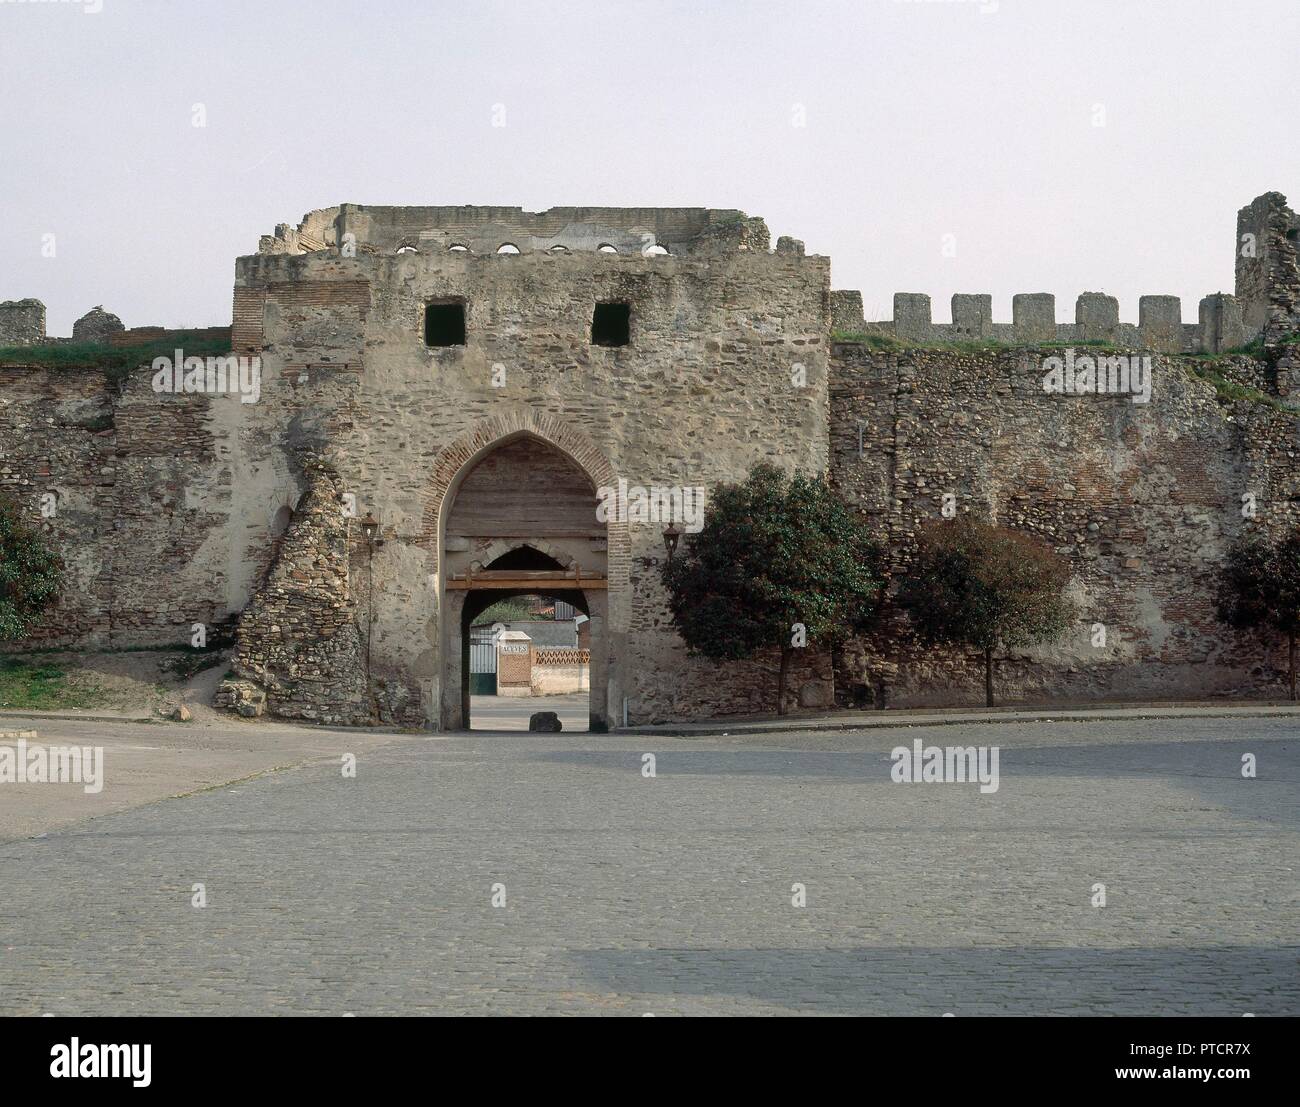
(531, 579)
(529, 574)
(522, 584)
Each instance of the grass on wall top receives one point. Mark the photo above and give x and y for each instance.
(115, 362)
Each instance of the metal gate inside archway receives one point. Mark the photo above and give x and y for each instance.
(482, 662)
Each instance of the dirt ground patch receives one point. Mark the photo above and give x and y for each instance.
(134, 682)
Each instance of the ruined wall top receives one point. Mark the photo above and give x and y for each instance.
(1265, 307)
(1268, 266)
(490, 230)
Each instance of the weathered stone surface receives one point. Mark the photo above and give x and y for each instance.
(1142, 499)
(817, 694)
(298, 638)
(242, 696)
(1268, 267)
(97, 325)
(22, 322)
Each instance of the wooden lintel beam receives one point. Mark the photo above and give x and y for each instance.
(532, 583)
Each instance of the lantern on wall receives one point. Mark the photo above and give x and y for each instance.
(370, 527)
(672, 535)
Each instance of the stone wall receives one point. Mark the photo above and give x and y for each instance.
(484, 230)
(1219, 326)
(97, 325)
(1268, 267)
(726, 367)
(22, 323)
(1266, 305)
(57, 465)
(551, 679)
(1143, 499)
(164, 515)
(170, 508)
(299, 639)
(141, 336)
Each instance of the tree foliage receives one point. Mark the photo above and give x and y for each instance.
(513, 609)
(976, 584)
(30, 574)
(775, 553)
(1259, 589)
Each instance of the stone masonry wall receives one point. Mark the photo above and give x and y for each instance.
(22, 323)
(163, 516)
(1143, 499)
(298, 638)
(726, 367)
(57, 466)
(1268, 267)
(1219, 326)
(97, 325)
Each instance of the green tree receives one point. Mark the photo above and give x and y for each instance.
(514, 609)
(1259, 589)
(779, 562)
(976, 584)
(30, 574)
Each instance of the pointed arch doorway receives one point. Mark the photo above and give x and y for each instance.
(520, 521)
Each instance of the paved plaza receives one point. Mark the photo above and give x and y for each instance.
(625, 894)
(512, 712)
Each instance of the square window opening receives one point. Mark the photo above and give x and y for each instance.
(611, 325)
(444, 324)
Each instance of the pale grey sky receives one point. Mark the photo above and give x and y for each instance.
(922, 118)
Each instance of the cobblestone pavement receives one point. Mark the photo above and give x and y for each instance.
(672, 895)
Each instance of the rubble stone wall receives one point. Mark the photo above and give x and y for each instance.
(1142, 498)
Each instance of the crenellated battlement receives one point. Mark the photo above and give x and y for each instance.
(1265, 306)
(1159, 325)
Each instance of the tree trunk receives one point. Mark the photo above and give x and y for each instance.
(988, 677)
(786, 651)
(1291, 658)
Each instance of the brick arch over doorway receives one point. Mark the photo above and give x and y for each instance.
(451, 466)
(504, 546)
(457, 459)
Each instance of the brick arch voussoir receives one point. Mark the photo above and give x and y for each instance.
(501, 547)
(453, 459)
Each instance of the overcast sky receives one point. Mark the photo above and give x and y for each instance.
(1065, 145)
